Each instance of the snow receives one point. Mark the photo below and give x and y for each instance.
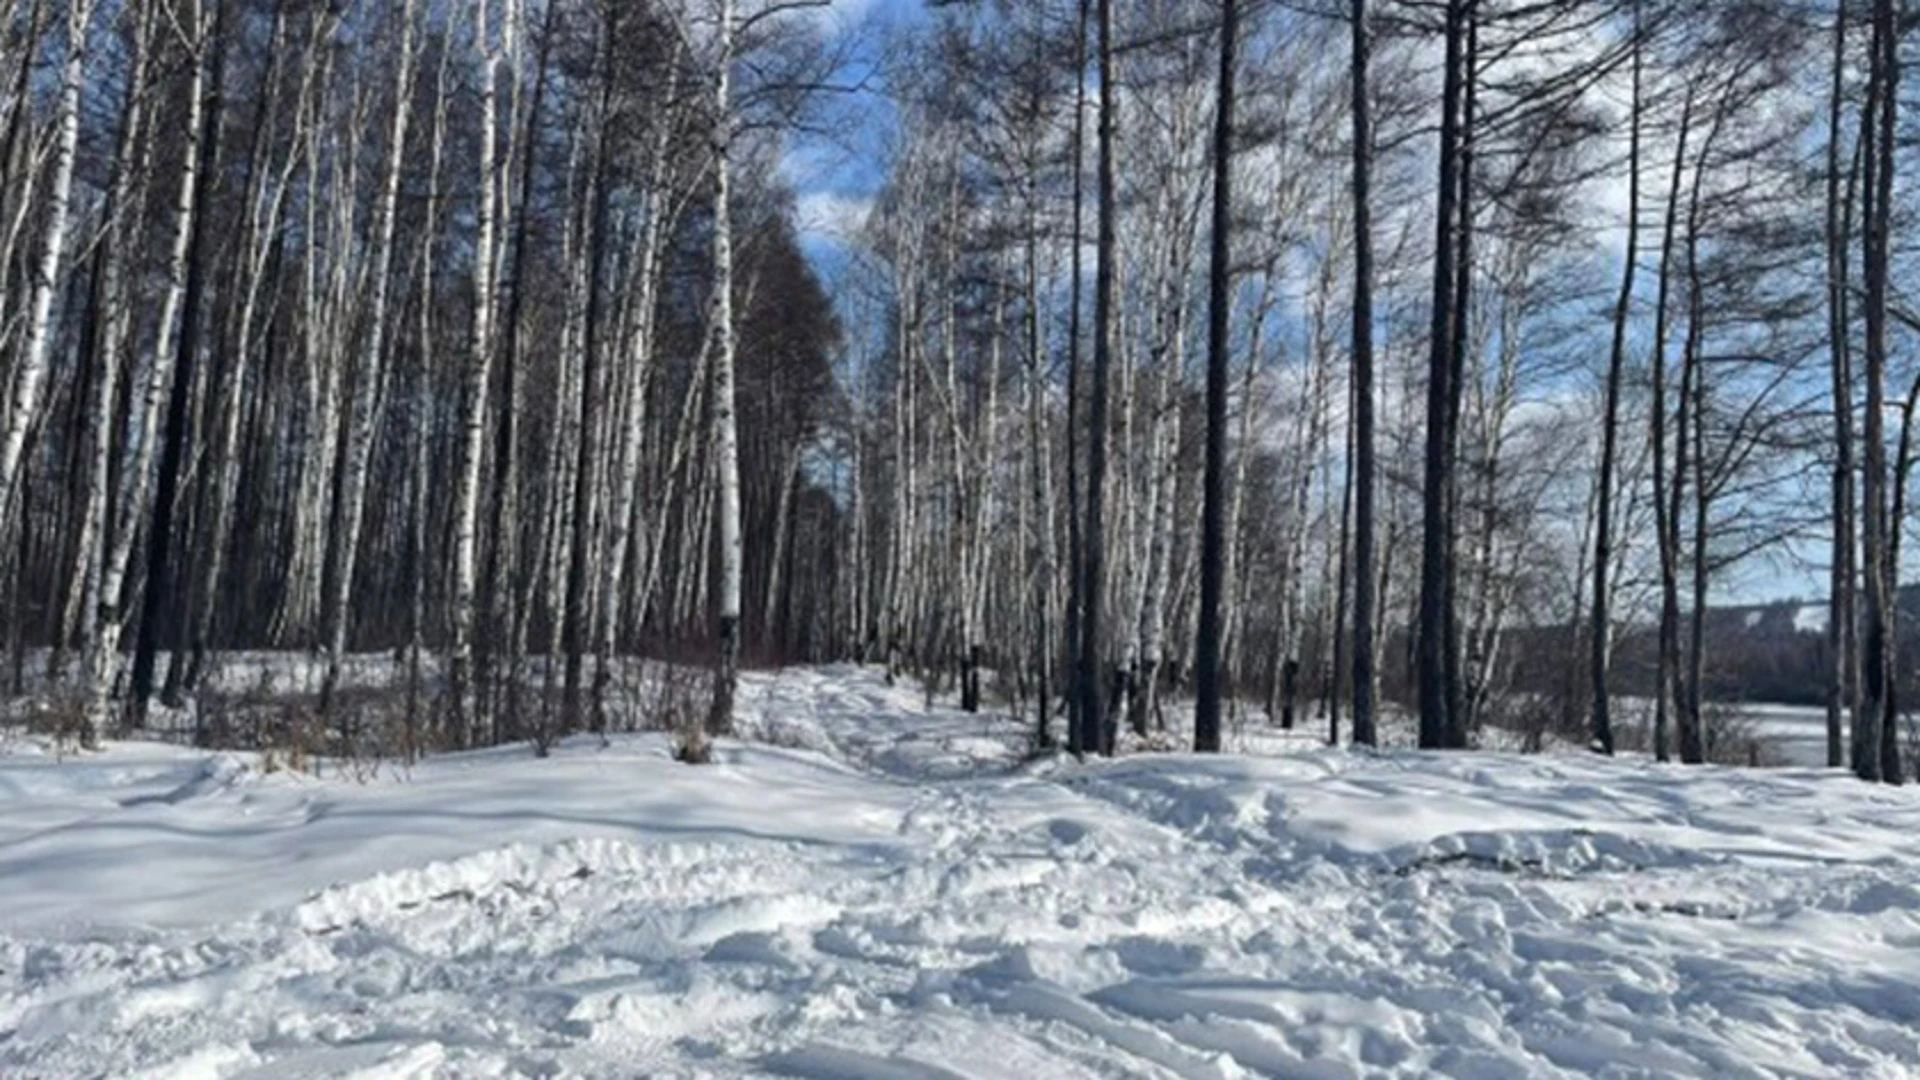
(877, 888)
(1798, 733)
(1810, 619)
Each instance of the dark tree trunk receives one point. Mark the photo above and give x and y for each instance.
(157, 604)
(1460, 721)
(1437, 479)
(1666, 503)
(1841, 646)
(1364, 467)
(1092, 705)
(1879, 759)
(1213, 540)
(579, 619)
(1601, 631)
(1078, 739)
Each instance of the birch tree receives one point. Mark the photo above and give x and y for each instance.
(30, 374)
(726, 451)
(370, 379)
(473, 424)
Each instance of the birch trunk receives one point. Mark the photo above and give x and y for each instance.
(586, 489)
(473, 423)
(357, 424)
(725, 436)
(137, 469)
(30, 373)
(1039, 449)
(421, 408)
(265, 210)
(1093, 717)
(638, 367)
(126, 190)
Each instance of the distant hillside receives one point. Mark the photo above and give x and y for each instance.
(1775, 652)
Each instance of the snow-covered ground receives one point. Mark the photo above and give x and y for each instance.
(1798, 733)
(875, 889)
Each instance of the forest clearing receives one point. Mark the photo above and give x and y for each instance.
(864, 539)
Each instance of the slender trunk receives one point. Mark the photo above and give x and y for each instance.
(202, 152)
(473, 421)
(1689, 424)
(114, 591)
(1878, 757)
(1891, 24)
(1461, 722)
(1163, 475)
(1841, 581)
(357, 425)
(726, 448)
(1092, 703)
(507, 586)
(313, 451)
(1330, 688)
(586, 469)
(126, 190)
(638, 353)
(421, 408)
(1601, 631)
(1693, 729)
(1085, 680)
(1666, 503)
(30, 371)
(979, 555)
(1364, 732)
(1039, 449)
(15, 107)
(1214, 485)
(262, 243)
(1902, 475)
(1435, 726)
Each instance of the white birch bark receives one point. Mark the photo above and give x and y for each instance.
(1163, 469)
(357, 424)
(1313, 425)
(979, 554)
(660, 212)
(127, 190)
(30, 374)
(726, 448)
(137, 469)
(312, 451)
(473, 421)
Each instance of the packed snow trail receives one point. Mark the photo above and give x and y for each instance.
(892, 894)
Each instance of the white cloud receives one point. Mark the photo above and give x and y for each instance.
(831, 216)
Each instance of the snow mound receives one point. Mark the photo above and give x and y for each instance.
(519, 869)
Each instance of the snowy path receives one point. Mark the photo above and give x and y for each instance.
(896, 898)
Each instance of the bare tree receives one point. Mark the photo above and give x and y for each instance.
(1206, 726)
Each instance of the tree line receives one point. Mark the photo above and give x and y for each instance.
(1312, 358)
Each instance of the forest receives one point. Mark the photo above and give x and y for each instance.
(1318, 361)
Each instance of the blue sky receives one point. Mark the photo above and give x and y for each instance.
(835, 172)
